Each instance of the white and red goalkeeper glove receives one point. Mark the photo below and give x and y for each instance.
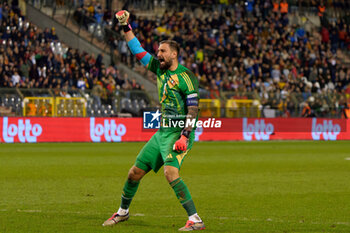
(123, 17)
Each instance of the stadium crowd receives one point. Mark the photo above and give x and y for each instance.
(35, 58)
(256, 48)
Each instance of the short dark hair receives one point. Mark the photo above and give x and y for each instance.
(172, 44)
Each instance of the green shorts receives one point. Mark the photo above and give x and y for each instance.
(158, 151)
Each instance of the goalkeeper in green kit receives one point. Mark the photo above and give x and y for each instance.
(178, 94)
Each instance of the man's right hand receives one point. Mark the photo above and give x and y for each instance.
(123, 17)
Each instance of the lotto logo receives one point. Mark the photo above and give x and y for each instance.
(259, 129)
(151, 120)
(327, 130)
(24, 130)
(111, 131)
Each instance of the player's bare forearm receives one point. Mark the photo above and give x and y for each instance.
(191, 116)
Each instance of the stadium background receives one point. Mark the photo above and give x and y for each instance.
(270, 70)
(254, 59)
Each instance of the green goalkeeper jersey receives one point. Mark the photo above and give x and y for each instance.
(176, 89)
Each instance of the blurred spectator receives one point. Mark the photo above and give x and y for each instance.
(321, 9)
(306, 111)
(97, 92)
(284, 7)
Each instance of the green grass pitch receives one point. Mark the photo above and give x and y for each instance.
(294, 186)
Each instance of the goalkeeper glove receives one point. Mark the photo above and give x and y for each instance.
(123, 17)
(181, 144)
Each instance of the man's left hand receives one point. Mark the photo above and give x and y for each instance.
(181, 144)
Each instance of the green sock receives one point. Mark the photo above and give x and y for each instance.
(184, 196)
(129, 190)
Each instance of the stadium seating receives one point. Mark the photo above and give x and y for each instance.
(33, 59)
(12, 104)
(243, 47)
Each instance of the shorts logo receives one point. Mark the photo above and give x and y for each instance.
(151, 120)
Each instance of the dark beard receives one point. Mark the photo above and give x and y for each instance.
(166, 65)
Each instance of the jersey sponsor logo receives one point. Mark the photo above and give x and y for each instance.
(24, 130)
(111, 131)
(327, 130)
(259, 130)
(151, 120)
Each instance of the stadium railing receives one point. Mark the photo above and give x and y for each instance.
(54, 106)
(252, 104)
(72, 102)
(132, 103)
(38, 106)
